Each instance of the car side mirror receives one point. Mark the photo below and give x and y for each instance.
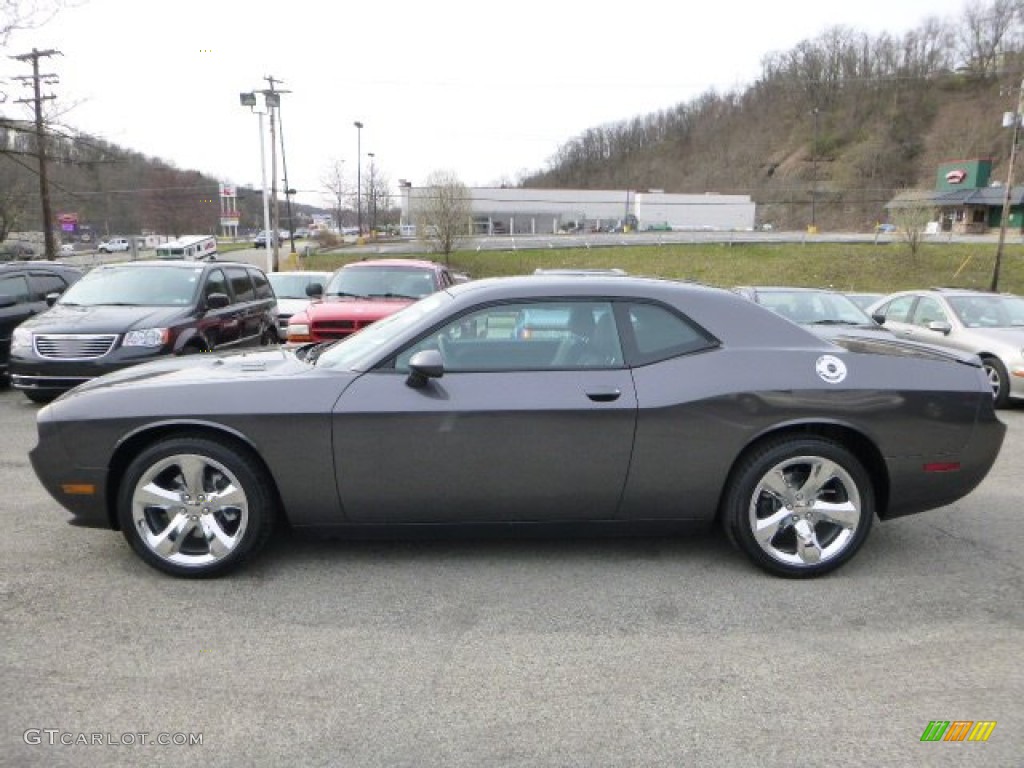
(315, 290)
(424, 365)
(879, 318)
(940, 326)
(51, 298)
(217, 301)
(9, 301)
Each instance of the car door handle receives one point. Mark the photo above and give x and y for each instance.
(604, 394)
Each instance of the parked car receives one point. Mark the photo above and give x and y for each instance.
(362, 293)
(290, 289)
(119, 315)
(827, 313)
(115, 245)
(989, 325)
(14, 250)
(262, 238)
(27, 289)
(700, 407)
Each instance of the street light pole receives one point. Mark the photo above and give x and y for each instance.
(994, 284)
(359, 180)
(249, 100)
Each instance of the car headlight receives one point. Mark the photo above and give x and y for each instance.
(298, 329)
(21, 339)
(150, 337)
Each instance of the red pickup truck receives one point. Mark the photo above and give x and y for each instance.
(362, 293)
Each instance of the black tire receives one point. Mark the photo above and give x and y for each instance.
(223, 515)
(1000, 379)
(269, 337)
(801, 517)
(41, 397)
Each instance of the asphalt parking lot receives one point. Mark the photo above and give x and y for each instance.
(637, 652)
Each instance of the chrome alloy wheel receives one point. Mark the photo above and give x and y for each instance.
(805, 510)
(189, 510)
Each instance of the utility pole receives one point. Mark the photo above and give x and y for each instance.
(37, 100)
(994, 284)
(284, 162)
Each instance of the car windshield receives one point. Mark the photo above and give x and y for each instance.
(128, 286)
(814, 308)
(989, 311)
(358, 351)
(382, 282)
(293, 286)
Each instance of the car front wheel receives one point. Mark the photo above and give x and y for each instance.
(193, 506)
(799, 506)
(999, 379)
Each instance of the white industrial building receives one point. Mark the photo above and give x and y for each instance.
(517, 211)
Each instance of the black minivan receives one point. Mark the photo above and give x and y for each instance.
(123, 314)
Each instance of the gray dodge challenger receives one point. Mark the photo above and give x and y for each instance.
(543, 403)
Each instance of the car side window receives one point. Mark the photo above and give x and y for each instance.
(15, 286)
(263, 289)
(898, 309)
(241, 285)
(43, 283)
(928, 310)
(535, 336)
(215, 283)
(659, 334)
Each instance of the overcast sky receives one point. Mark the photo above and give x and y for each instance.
(488, 90)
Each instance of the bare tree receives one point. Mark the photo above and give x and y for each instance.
(12, 201)
(442, 212)
(984, 32)
(16, 15)
(912, 210)
(337, 188)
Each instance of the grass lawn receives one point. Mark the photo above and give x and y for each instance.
(845, 267)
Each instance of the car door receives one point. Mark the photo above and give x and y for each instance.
(15, 306)
(898, 314)
(221, 327)
(244, 305)
(513, 431)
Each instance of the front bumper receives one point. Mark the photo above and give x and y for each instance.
(82, 491)
(31, 372)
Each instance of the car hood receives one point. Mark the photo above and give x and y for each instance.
(355, 309)
(69, 318)
(291, 306)
(212, 367)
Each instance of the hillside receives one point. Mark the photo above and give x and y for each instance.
(855, 118)
(114, 190)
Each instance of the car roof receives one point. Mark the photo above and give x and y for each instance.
(175, 264)
(787, 288)
(421, 263)
(574, 284)
(40, 264)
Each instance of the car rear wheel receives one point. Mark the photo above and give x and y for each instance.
(999, 379)
(193, 506)
(799, 506)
